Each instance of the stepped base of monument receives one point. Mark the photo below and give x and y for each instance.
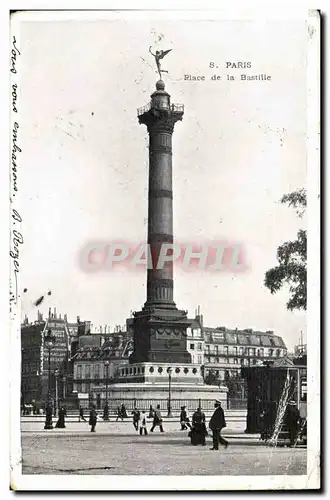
(150, 384)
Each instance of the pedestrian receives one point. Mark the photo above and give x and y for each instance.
(198, 432)
(216, 424)
(123, 411)
(81, 414)
(158, 421)
(93, 418)
(151, 412)
(119, 414)
(143, 424)
(291, 420)
(136, 418)
(106, 411)
(184, 419)
(60, 424)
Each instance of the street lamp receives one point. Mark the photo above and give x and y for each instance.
(64, 386)
(169, 409)
(49, 342)
(106, 407)
(106, 380)
(57, 372)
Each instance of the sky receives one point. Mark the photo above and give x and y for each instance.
(84, 163)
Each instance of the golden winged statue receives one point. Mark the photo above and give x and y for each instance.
(158, 56)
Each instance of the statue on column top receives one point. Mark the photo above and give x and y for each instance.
(160, 54)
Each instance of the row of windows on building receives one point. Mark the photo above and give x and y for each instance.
(228, 361)
(30, 367)
(197, 359)
(199, 346)
(243, 351)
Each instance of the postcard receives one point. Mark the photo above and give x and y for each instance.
(164, 177)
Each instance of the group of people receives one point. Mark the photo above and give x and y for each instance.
(197, 427)
(198, 430)
(140, 420)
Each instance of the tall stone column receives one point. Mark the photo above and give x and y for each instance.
(160, 119)
(160, 328)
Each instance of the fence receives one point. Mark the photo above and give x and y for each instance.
(144, 404)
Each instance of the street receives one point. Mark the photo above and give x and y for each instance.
(116, 449)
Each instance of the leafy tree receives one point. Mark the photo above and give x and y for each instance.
(211, 378)
(292, 259)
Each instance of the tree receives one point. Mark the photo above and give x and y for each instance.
(212, 378)
(292, 258)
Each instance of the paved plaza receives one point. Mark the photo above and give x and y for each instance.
(117, 449)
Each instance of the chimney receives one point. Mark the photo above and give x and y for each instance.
(49, 313)
(201, 320)
(65, 317)
(55, 312)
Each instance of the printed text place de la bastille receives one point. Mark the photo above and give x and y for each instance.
(229, 71)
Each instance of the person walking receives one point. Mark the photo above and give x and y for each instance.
(123, 411)
(60, 424)
(136, 418)
(81, 414)
(143, 424)
(216, 424)
(158, 421)
(291, 420)
(198, 432)
(106, 411)
(119, 414)
(184, 419)
(93, 418)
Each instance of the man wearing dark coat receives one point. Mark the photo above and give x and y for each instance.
(158, 421)
(93, 418)
(123, 411)
(60, 424)
(136, 418)
(81, 414)
(291, 420)
(216, 424)
(106, 411)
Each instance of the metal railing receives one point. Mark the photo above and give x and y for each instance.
(144, 404)
(175, 108)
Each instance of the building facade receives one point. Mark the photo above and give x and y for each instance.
(95, 366)
(41, 368)
(227, 351)
(221, 352)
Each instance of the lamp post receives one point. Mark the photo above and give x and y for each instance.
(49, 342)
(64, 386)
(169, 409)
(57, 372)
(106, 380)
(106, 408)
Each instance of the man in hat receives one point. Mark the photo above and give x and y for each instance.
(216, 424)
(93, 418)
(158, 421)
(291, 420)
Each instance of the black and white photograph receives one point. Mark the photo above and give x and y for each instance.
(164, 182)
